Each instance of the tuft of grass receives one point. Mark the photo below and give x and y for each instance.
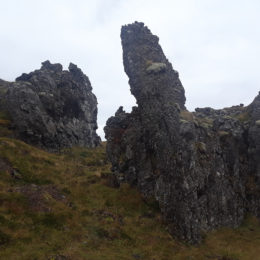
(4, 238)
(5, 123)
(49, 220)
(243, 117)
(186, 115)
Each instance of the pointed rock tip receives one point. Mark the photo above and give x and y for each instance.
(57, 67)
(75, 70)
(135, 27)
(73, 67)
(119, 111)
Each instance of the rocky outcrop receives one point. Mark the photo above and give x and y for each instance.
(201, 167)
(53, 108)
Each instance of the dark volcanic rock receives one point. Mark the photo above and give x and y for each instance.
(52, 108)
(201, 167)
(151, 75)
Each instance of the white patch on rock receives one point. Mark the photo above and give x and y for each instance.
(156, 67)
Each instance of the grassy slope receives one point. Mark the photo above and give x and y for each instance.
(53, 205)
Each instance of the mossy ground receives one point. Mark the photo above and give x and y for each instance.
(63, 205)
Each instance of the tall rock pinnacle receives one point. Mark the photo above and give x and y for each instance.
(201, 167)
(151, 75)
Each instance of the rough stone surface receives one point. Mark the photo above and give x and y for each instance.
(53, 108)
(203, 167)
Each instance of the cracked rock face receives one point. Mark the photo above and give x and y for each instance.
(203, 167)
(53, 108)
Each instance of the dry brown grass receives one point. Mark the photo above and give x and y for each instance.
(93, 220)
(186, 115)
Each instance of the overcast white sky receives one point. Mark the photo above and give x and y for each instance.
(214, 44)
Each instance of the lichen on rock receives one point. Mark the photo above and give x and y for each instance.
(156, 67)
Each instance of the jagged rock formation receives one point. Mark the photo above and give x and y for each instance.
(201, 167)
(52, 108)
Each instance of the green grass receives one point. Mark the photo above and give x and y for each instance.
(62, 204)
(5, 124)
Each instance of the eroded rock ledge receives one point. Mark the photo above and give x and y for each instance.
(52, 108)
(202, 167)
